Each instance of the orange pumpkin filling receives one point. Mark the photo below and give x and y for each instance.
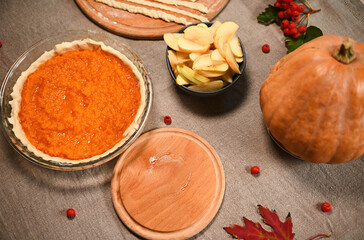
(78, 105)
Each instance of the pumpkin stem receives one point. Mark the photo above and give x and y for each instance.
(345, 52)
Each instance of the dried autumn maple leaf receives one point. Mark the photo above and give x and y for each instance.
(254, 231)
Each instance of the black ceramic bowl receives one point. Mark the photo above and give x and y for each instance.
(236, 77)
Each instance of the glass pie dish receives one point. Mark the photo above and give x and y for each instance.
(31, 55)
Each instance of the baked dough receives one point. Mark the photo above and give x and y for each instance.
(155, 13)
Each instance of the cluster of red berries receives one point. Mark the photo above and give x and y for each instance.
(290, 14)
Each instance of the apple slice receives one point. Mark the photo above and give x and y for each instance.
(239, 60)
(193, 56)
(202, 25)
(228, 76)
(171, 40)
(182, 57)
(177, 58)
(226, 30)
(214, 27)
(223, 34)
(230, 59)
(173, 60)
(208, 87)
(180, 80)
(215, 68)
(235, 46)
(191, 75)
(210, 74)
(204, 62)
(217, 58)
(199, 35)
(190, 46)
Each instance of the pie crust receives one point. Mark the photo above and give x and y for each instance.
(57, 50)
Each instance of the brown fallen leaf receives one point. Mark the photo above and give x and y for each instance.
(254, 231)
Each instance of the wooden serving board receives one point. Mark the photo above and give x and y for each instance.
(139, 26)
(169, 184)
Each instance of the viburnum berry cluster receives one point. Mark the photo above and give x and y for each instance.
(294, 19)
(293, 15)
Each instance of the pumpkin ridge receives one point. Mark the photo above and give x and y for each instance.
(277, 66)
(348, 96)
(282, 86)
(320, 119)
(303, 107)
(311, 65)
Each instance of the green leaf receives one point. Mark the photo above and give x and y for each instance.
(312, 32)
(293, 43)
(269, 15)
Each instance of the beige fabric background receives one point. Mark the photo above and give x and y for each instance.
(33, 200)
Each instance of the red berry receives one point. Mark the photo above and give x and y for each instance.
(167, 120)
(1, 44)
(292, 25)
(296, 35)
(289, 12)
(286, 1)
(265, 48)
(293, 31)
(285, 6)
(302, 29)
(295, 18)
(287, 31)
(281, 14)
(326, 207)
(278, 5)
(295, 13)
(71, 213)
(284, 24)
(255, 170)
(301, 8)
(293, 6)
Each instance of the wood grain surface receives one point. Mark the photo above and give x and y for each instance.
(139, 26)
(168, 185)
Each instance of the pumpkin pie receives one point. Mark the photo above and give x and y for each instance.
(78, 102)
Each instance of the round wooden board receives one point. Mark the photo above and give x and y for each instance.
(169, 184)
(139, 26)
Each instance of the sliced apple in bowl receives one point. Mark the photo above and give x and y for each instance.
(210, 74)
(204, 59)
(199, 35)
(235, 46)
(208, 87)
(204, 62)
(189, 46)
(171, 40)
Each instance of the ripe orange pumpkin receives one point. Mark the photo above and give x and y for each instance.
(313, 100)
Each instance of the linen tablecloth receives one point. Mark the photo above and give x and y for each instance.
(33, 200)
